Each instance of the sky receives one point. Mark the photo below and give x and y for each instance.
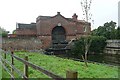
(26, 11)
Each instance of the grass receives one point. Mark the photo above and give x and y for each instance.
(59, 66)
(0, 70)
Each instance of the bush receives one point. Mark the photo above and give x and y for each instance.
(79, 46)
(98, 44)
(118, 33)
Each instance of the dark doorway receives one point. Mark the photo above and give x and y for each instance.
(58, 34)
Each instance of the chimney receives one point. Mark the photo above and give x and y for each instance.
(74, 17)
(58, 13)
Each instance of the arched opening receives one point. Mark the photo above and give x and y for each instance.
(58, 34)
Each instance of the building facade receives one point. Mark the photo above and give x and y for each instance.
(25, 30)
(54, 29)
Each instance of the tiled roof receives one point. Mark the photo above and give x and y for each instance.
(24, 26)
(70, 19)
(44, 17)
(58, 13)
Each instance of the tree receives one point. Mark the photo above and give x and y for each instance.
(88, 44)
(98, 44)
(107, 30)
(86, 4)
(3, 32)
(81, 47)
(14, 32)
(78, 48)
(118, 33)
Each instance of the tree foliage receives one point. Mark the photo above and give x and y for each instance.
(107, 30)
(14, 32)
(81, 46)
(3, 32)
(96, 45)
(118, 33)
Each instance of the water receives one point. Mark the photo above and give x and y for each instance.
(99, 58)
(102, 58)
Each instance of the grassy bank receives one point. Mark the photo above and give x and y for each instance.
(59, 66)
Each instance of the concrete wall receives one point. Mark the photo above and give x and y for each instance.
(113, 47)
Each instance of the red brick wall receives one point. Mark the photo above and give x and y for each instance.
(73, 29)
(46, 41)
(25, 32)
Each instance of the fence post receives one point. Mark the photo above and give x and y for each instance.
(4, 57)
(12, 62)
(26, 67)
(71, 75)
(5, 54)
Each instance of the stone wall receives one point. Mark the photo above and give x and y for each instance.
(21, 43)
(113, 47)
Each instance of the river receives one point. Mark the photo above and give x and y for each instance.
(99, 58)
(103, 58)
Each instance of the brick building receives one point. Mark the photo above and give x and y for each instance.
(54, 29)
(25, 30)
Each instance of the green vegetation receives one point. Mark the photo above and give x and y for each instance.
(78, 48)
(14, 32)
(0, 70)
(108, 30)
(118, 33)
(87, 44)
(81, 47)
(3, 32)
(59, 66)
(98, 44)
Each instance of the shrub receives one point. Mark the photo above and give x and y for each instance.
(98, 44)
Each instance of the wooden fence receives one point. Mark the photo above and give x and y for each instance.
(69, 74)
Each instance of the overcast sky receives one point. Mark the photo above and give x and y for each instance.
(26, 11)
